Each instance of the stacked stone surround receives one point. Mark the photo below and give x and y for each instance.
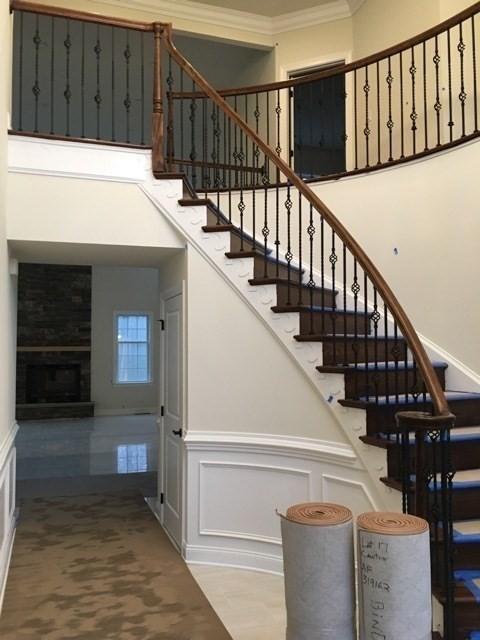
(54, 314)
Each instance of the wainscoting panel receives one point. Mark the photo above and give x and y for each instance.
(7, 505)
(235, 483)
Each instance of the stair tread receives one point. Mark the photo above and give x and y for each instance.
(321, 337)
(372, 366)
(466, 531)
(231, 228)
(403, 399)
(285, 281)
(270, 258)
(286, 308)
(467, 479)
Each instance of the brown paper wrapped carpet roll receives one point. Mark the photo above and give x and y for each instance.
(319, 572)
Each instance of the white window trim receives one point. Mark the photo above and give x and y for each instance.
(115, 380)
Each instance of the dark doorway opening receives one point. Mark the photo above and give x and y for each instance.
(319, 133)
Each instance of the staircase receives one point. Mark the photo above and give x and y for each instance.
(371, 370)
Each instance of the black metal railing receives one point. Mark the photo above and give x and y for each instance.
(408, 101)
(82, 80)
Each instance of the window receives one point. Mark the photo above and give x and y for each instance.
(132, 348)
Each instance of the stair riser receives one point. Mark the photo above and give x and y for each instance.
(311, 323)
(465, 504)
(464, 454)
(467, 617)
(301, 295)
(236, 244)
(362, 384)
(265, 268)
(365, 351)
(381, 419)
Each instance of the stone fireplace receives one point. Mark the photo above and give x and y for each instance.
(53, 350)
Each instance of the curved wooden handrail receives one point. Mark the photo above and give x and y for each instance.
(430, 378)
(60, 12)
(343, 69)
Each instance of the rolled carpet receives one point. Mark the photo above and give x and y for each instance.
(319, 572)
(394, 577)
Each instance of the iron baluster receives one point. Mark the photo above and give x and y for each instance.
(462, 96)
(127, 103)
(193, 151)
(344, 256)
(365, 335)
(112, 64)
(390, 123)
(413, 114)
(300, 248)
(450, 98)
(402, 123)
(182, 115)
(278, 111)
(265, 230)
(375, 319)
(333, 259)
(20, 74)
(67, 94)
(52, 74)
(438, 104)
(425, 106)
(355, 291)
(142, 97)
(241, 204)
(355, 108)
(474, 61)
(98, 97)
(367, 131)
(170, 107)
(289, 255)
(385, 347)
(379, 152)
(311, 281)
(36, 86)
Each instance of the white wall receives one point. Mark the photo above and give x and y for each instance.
(130, 290)
(7, 324)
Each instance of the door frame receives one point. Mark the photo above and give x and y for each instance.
(165, 295)
(285, 72)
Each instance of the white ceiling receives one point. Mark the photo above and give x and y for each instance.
(269, 8)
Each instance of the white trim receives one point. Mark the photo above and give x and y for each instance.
(292, 446)
(204, 13)
(3, 582)
(7, 444)
(235, 558)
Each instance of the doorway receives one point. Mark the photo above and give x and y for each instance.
(172, 415)
(318, 123)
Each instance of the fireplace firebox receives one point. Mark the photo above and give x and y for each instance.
(53, 383)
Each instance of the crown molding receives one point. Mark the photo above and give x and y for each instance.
(242, 20)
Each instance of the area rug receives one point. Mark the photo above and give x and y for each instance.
(100, 567)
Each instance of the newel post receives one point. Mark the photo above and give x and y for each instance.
(158, 157)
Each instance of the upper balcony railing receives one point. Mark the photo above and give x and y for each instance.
(405, 102)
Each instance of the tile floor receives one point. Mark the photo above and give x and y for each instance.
(87, 455)
(250, 604)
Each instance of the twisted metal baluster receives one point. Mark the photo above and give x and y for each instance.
(127, 103)
(413, 114)
(390, 123)
(36, 86)
(474, 60)
(67, 93)
(98, 96)
(367, 131)
(438, 104)
(462, 96)
(451, 123)
(52, 77)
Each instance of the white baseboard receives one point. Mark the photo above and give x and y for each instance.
(234, 558)
(5, 565)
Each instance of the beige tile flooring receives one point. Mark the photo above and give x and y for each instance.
(250, 604)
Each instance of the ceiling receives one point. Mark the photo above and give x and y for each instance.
(269, 8)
